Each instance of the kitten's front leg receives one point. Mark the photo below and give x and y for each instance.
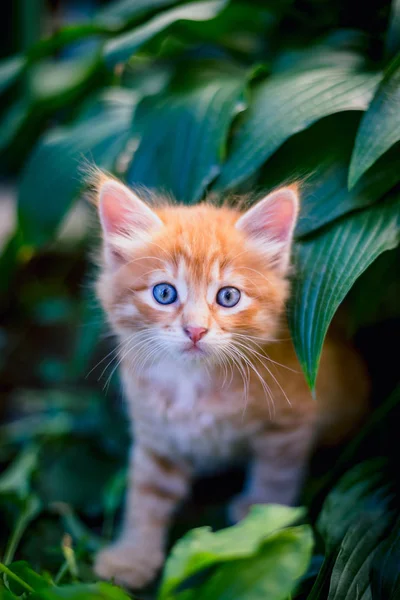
(280, 460)
(155, 487)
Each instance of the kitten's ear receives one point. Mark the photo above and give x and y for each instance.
(271, 223)
(124, 218)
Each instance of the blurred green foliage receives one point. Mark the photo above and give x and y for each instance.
(211, 96)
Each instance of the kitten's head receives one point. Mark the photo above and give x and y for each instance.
(193, 282)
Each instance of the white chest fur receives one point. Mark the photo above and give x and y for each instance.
(180, 411)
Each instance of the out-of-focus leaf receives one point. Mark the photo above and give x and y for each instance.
(118, 14)
(272, 573)
(385, 572)
(323, 170)
(10, 69)
(327, 265)
(16, 479)
(362, 488)
(380, 126)
(120, 48)
(82, 591)
(393, 33)
(30, 509)
(51, 179)
(51, 79)
(183, 136)
(286, 104)
(28, 575)
(201, 548)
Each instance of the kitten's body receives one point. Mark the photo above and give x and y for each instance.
(239, 393)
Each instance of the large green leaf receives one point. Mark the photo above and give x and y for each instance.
(385, 572)
(201, 548)
(51, 179)
(183, 136)
(327, 265)
(82, 591)
(272, 573)
(286, 104)
(380, 126)
(122, 47)
(323, 170)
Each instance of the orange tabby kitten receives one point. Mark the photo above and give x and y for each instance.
(197, 298)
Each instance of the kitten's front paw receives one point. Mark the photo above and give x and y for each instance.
(127, 564)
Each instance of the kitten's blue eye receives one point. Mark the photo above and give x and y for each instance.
(228, 297)
(165, 293)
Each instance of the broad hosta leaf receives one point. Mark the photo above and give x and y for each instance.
(350, 574)
(272, 573)
(385, 572)
(122, 47)
(380, 126)
(286, 104)
(323, 171)
(183, 136)
(353, 520)
(201, 548)
(51, 179)
(327, 266)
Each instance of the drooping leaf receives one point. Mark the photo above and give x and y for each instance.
(326, 267)
(51, 180)
(183, 136)
(322, 172)
(120, 48)
(201, 548)
(272, 573)
(16, 479)
(380, 126)
(286, 104)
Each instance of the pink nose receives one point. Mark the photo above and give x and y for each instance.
(195, 333)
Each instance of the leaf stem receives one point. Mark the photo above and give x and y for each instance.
(12, 575)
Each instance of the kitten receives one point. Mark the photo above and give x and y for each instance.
(197, 298)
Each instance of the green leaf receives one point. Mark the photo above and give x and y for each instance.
(183, 136)
(393, 33)
(323, 171)
(350, 574)
(272, 573)
(16, 479)
(385, 572)
(201, 548)
(10, 69)
(122, 47)
(51, 180)
(118, 14)
(25, 573)
(380, 126)
(326, 267)
(82, 591)
(286, 104)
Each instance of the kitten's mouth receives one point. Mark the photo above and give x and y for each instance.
(193, 349)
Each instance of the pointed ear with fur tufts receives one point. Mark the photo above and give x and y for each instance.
(270, 224)
(124, 219)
